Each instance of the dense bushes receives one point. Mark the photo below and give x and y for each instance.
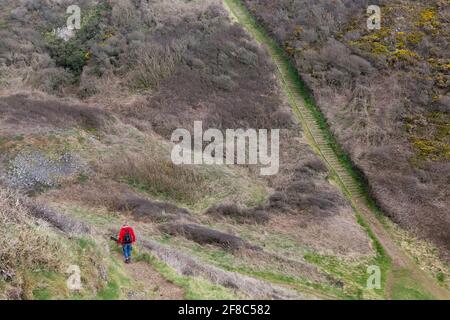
(183, 54)
(73, 54)
(68, 55)
(371, 86)
(254, 215)
(158, 176)
(204, 235)
(26, 246)
(30, 111)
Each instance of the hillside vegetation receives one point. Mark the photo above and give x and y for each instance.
(384, 94)
(85, 124)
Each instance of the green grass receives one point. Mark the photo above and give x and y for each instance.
(195, 288)
(440, 276)
(111, 291)
(382, 259)
(42, 294)
(98, 219)
(45, 285)
(3, 24)
(258, 196)
(228, 262)
(215, 182)
(353, 275)
(291, 73)
(405, 288)
(37, 281)
(118, 282)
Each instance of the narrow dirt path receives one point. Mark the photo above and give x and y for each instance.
(149, 284)
(317, 139)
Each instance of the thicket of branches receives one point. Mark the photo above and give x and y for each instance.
(379, 90)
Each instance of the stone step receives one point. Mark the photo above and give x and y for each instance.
(330, 156)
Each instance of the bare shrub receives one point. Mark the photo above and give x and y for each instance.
(247, 57)
(146, 210)
(277, 200)
(188, 265)
(401, 67)
(312, 167)
(204, 235)
(152, 63)
(119, 197)
(254, 215)
(224, 82)
(26, 244)
(51, 80)
(124, 15)
(306, 189)
(158, 176)
(25, 110)
(61, 222)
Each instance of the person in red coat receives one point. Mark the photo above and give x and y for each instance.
(126, 239)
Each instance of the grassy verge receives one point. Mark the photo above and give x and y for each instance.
(228, 262)
(195, 288)
(405, 288)
(117, 283)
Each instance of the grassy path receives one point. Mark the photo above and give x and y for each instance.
(323, 143)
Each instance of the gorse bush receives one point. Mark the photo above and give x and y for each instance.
(67, 55)
(73, 54)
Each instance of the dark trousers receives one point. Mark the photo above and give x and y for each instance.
(127, 248)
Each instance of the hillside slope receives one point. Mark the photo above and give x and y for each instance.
(85, 127)
(384, 94)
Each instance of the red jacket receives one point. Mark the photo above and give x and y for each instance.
(122, 233)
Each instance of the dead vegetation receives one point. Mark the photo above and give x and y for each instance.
(203, 235)
(157, 176)
(28, 247)
(146, 210)
(117, 197)
(190, 266)
(152, 63)
(22, 113)
(253, 215)
(141, 70)
(26, 244)
(377, 90)
(59, 221)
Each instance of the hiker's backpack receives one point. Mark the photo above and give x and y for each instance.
(127, 237)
